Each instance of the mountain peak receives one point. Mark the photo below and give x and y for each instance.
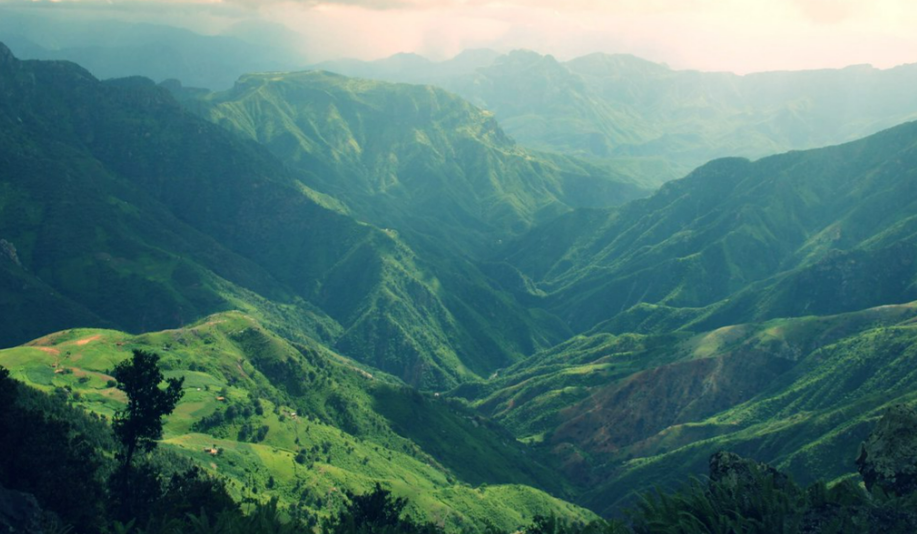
(526, 59)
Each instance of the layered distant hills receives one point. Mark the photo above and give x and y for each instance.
(656, 122)
(335, 242)
(114, 48)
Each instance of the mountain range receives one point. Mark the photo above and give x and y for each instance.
(114, 48)
(816, 232)
(653, 121)
(319, 245)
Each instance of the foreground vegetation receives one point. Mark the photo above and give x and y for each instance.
(74, 466)
(304, 425)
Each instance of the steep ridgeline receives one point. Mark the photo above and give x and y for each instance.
(754, 306)
(815, 232)
(660, 123)
(304, 425)
(119, 208)
(433, 170)
(413, 158)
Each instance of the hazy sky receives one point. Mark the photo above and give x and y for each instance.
(735, 35)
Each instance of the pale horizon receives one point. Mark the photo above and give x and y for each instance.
(741, 36)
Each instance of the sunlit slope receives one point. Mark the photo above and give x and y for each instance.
(264, 403)
(120, 208)
(414, 158)
(814, 232)
(623, 413)
(437, 173)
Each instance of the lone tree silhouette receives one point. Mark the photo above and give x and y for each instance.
(137, 427)
(139, 424)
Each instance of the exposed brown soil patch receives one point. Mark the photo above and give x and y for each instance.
(77, 372)
(48, 350)
(642, 405)
(90, 339)
(50, 339)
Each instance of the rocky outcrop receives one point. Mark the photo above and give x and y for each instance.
(888, 458)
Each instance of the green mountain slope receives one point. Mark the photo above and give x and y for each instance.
(413, 158)
(304, 424)
(659, 123)
(139, 215)
(709, 320)
(438, 173)
(624, 413)
(822, 231)
(87, 234)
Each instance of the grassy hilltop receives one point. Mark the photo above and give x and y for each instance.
(305, 424)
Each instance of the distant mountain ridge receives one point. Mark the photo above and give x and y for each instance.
(111, 48)
(657, 122)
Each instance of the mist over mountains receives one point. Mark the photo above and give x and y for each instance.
(658, 122)
(112, 48)
(653, 122)
(501, 285)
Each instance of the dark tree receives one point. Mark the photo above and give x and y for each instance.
(377, 512)
(139, 425)
(134, 489)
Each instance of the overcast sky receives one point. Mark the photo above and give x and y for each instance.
(735, 35)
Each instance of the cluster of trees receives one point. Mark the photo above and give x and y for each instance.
(62, 457)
